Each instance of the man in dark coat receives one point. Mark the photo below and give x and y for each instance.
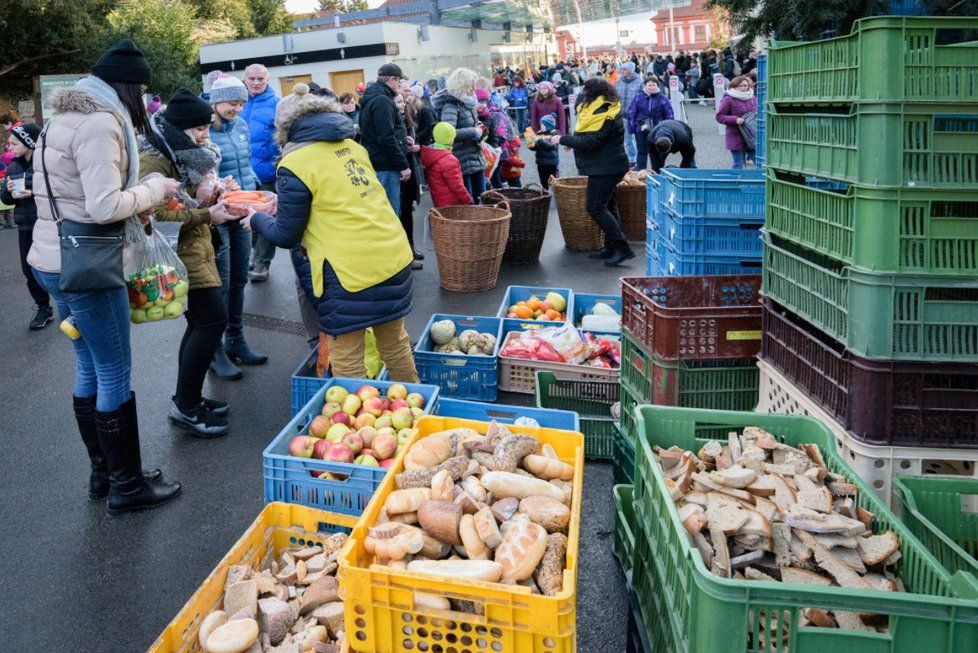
(672, 137)
(382, 132)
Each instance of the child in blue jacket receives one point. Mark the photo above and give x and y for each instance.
(548, 157)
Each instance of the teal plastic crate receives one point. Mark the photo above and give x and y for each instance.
(878, 145)
(876, 315)
(906, 231)
(702, 612)
(886, 59)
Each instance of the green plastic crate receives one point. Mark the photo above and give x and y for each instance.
(886, 59)
(623, 545)
(881, 145)
(703, 612)
(623, 469)
(591, 400)
(907, 231)
(626, 414)
(943, 514)
(881, 316)
(724, 384)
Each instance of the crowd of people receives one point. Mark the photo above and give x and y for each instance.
(343, 176)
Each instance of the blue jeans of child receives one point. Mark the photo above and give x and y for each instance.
(475, 183)
(521, 119)
(102, 356)
(232, 265)
(739, 157)
(391, 181)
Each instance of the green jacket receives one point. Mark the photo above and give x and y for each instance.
(195, 247)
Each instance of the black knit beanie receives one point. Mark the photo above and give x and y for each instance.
(26, 133)
(185, 110)
(125, 63)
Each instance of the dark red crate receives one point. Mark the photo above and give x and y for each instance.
(712, 317)
(897, 403)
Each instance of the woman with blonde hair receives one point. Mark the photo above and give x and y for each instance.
(458, 106)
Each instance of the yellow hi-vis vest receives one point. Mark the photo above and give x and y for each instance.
(351, 222)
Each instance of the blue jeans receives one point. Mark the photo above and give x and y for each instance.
(739, 157)
(630, 148)
(475, 183)
(103, 359)
(232, 265)
(391, 181)
(521, 119)
(264, 251)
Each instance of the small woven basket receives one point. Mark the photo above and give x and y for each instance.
(631, 206)
(469, 244)
(530, 207)
(581, 233)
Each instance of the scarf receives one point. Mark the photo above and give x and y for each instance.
(740, 95)
(193, 161)
(107, 95)
(590, 121)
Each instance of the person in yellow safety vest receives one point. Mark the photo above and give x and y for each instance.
(355, 260)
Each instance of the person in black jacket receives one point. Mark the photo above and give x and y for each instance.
(383, 134)
(671, 137)
(424, 116)
(18, 189)
(598, 142)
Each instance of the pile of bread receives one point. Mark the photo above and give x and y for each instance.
(758, 509)
(290, 604)
(634, 178)
(492, 507)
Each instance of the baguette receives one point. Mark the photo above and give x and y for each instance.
(507, 484)
(548, 468)
(484, 570)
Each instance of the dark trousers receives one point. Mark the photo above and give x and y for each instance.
(25, 238)
(409, 195)
(207, 315)
(475, 183)
(602, 206)
(546, 172)
(232, 265)
(642, 145)
(514, 182)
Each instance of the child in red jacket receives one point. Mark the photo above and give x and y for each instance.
(442, 169)
(511, 167)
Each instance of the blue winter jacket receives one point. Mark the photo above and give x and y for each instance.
(518, 97)
(340, 311)
(232, 138)
(649, 107)
(259, 113)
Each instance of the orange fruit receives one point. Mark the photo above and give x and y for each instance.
(533, 302)
(552, 314)
(544, 306)
(523, 311)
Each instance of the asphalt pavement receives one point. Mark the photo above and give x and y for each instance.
(72, 579)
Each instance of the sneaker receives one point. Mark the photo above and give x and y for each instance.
(417, 265)
(418, 256)
(602, 253)
(198, 421)
(43, 316)
(217, 408)
(259, 274)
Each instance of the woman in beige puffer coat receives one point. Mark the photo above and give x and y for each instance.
(88, 156)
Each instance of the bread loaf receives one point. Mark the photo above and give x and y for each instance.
(429, 452)
(522, 549)
(485, 570)
(507, 484)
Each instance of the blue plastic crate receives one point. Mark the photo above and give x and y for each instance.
(305, 383)
(760, 138)
(653, 262)
(762, 68)
(711, 236)
(653, 185)
(290, 479)
(522, 293)
(564, 420)
(695, 193)
(672, 264)
(460, 375)
(584, 303)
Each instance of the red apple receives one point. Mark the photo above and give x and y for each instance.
(367, 452)
(384, 445)
(336, 394)
(402, 419)
(337, 431)
(351, 404)
(331, 408)
(367, 434)
(339, 453)
(415, 400)
(387, 403)
(342, 418)
(354, 441)
(364, 419)
(399, 403)
(319, 426)
(373, 406)
(366, 392)
(396, 391)
(302, 446)
(322, 446)
(386, 463)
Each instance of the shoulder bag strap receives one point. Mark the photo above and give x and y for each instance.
(44, 169)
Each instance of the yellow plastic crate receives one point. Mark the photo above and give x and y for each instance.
(279, 525)
(381, 616)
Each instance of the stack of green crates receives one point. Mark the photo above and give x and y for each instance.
(591, 400)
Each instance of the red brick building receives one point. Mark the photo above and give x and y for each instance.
(692, 28)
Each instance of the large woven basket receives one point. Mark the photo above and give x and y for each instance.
(469, 244)
(531, 208)
(581, 233)
(631, 206)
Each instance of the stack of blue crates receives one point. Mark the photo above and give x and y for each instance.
(761, 97)
(704, 222)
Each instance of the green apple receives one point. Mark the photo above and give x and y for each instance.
(180, 290)
(173, 310)
(137, 316)
(404, 435)
(155, 314)
(367, 460)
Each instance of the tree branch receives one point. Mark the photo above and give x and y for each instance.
(6, 69)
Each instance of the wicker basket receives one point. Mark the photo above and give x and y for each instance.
(531, 208)
(581, 233)
(469, 244)
(631, 206)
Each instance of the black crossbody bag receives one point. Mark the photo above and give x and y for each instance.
(91, 254)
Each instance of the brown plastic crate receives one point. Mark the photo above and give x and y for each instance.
(896, 403)
(713, 317)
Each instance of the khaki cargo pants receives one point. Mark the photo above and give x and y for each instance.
(346, 352)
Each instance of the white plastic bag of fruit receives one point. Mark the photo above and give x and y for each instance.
(156, 279)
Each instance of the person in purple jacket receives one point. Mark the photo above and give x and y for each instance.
(649, 108)
(738, 101)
